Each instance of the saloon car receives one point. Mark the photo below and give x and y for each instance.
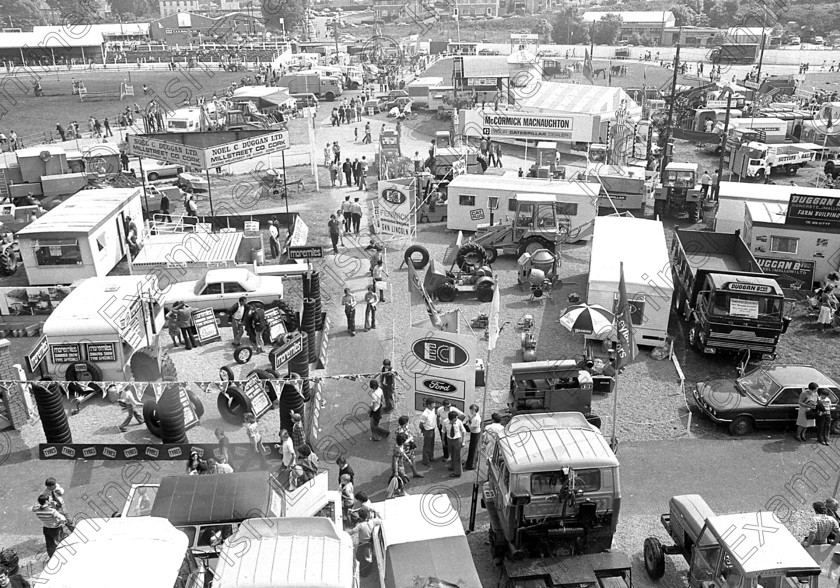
(765, 397)
(192, 182)
(157, 170)
(221, 288)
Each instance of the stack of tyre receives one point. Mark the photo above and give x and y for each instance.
(52, 413)
(165, 417)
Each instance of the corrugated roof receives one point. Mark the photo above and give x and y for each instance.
(576, 98)
(636, 16)
(81, 213)
(157, 249)
(81, 37)
(128, 28)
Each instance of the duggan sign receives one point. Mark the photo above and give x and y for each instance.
(246, 149)
(813, 211)
(527, 125)
(175, 153)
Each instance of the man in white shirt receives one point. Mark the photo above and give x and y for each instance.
(349, 302)
(379, 274)
(347, 211)
(428, 422)
(237, 314)
(492, 432)
(442, 418)
(356, 216)
(274, 238)
(288, 449)
(377, 433)
(474, 428)
(455, 433)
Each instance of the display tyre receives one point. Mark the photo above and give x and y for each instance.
(232, 406)
(490, 254)
(469, 256)
(533, 244)
(153, 177)
(267, 375)
(197, 405)
(145, 367)
(8, 261)
(835, 427)
(446, 293)
(694, 212)
(654, 558)
(243, 353)
(151, 417)
(94, 371)
(742, 425)
(226, 374)
(485, 293)
(424, 256)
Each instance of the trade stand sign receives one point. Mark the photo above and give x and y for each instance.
(813, 211)
(515, 124)
(246, 149)
(396, 213)
(791, 274)
(171, 152)
(442, 366)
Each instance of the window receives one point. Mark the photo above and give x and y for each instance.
(512, 205)
(788, 396)
(637, 307)
(566, 208)
(493, 202)
(465, 200)
(211, 289)
(233, 287)
(784, 244)
(212, 535)
(57, 252)
(552, 482)
(190, 533)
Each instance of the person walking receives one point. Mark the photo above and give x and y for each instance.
(409, 447)
(428, 423)
(287, 449)
(124, 160)
(349, 302)
(107, 126)
(298, 433)
(356, 216)
(97, 128)
(274, 238)
(398, 459)
(132, 404)
(474, 429)
(237, 315)
(171, 324)
(347, 169)
(363, 174)
(165, 205)
(252, 431)
(705, 183)
(823, 416)
(379, 274)
(344, 468)
(347, 211)
(455, 433)
(334, 174)
(386, 381)
(13, 140)
(53, 522)
(371, 300)
(807, 407)
(336, 152)
(828, 306)
(357, 171)
(367, 139)
(328, 155)
(334, 226)
(186, 324)
(377, 433)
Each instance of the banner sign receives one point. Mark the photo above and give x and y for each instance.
(791, 274)
(257, 397)
(160, 452)
(245, 149)
(170, 152)
(282, 355)
(190, 416)
(206, 326)
(310, 252)
(300, 232)
(65, 352)
(99, 352)
(276, 326)
(813, 211)
(513, 124)
(443, 365)
(395, 207)
(38, 354)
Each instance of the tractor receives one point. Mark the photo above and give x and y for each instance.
(535, 226)
(678, 192)
(468, 274)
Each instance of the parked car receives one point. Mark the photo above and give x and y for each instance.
(393, 95)
(304, 100)
(160, 169)
(765, 397)
(488, 52)
(400, 103)
(221, 288)
(192, 182)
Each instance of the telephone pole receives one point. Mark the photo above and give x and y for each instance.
(666, 153)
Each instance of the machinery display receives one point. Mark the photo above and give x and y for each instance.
(678, 192)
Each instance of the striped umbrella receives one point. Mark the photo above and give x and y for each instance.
(592, 319)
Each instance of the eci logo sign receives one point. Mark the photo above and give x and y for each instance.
(393, 196)
(440, 353)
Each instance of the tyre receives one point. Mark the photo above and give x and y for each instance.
(835, 427)
(75, 375)
(830, 168)
(742, 425)
(470, 255)
(424, 256)
(760, 175)
(490, 254)
(226, 374)
(791, 170)
(151, 417)
(242, 354)
(197, 405)
(654, 558)
(145, 367)
(446, 293)
(694, 212)
(694, 338)
(485, 294)
(8, 261)
(533, 244)
(265, 375)
(153, 177)
(330, 96)
(232, 406)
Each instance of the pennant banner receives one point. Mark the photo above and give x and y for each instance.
(493, 320)
(626, 350)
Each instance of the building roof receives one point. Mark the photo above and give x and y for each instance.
(524, 185)
(747, 32)
(639, 243)
(101, 544)
(81, 213)
(635, 17)
(106, 29)
(475, 66)
(769, 192)
(82, 36)
(577, 99)
(767, 212)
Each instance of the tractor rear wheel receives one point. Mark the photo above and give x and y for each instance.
(654, 558)
(470, 255)
(533, 244)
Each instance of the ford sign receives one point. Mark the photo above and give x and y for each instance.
(440, 386)
(393, 196)
(440, 353)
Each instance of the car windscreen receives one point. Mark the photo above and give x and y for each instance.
(543, 483)
(759, 385)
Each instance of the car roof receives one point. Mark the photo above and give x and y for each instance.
(227, 275)
(798, 375)
(409, 519)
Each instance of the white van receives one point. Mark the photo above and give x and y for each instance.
(641, 245)
(472, 197)
(189, 118)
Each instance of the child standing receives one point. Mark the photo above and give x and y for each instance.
(347, 499)
(172, 326)
(823, 416)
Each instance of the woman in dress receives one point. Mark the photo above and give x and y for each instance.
(828, 306)
(409, 447)
(398, 458)
(807, 401)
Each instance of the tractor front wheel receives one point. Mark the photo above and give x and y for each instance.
(654, 558)
(446, 293)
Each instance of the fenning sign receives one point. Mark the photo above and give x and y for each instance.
(443, 366)
(395, 207)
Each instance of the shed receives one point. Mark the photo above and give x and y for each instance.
(83, 237)
(641, 245)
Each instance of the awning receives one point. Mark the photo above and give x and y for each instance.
(264, 97)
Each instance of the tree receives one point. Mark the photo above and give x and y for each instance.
(292, 12)
(607, 29)
(684, 15)
(635, 39)
(543, 28)
(129, 8)
(568, 28)
(21, 13)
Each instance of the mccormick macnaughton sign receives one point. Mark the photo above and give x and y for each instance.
(497, 124)
(813, 211)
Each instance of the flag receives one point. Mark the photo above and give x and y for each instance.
(587, 66)
(418, 294)
(626, 350)
(449, 322)
(493, 320)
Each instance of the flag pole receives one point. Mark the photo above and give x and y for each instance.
(613, 443)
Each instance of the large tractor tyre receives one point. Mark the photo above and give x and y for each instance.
(242, 354)
(424, 256)
(150, 415)
(490, 254)
(654, 558)
(471, 255)
(197, 405)
(8, 261)
(831, 168)
(269, 389)
(145, 367)
(792, 170)
(52, 414)
(446, 293)
(533, 244)
(232, 405)
(71, 374)
(171, 414)
(694, 212)
(485, 294)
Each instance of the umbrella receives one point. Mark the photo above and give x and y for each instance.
(592, 319)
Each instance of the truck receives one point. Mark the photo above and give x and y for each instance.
(772, 130)
(448, 162)
(678, 191)
(210, 509)
(743, 53)
(759, 160)
(553, 488)
(389, 155)
(731, 551)
(732, 305)
(622, 188)
(326, 87)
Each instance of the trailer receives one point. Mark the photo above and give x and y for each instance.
(475, 200)
(775, 129)
(732, 196)
(322, 86)
(760, 160)
(641, 245)
(744, 53)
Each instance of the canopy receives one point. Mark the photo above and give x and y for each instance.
(186, 500)
(578, 98)
(264, 97)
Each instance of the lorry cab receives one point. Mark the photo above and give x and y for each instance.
(108, 329)
(730, 300)
(597, 153)
(553, 487)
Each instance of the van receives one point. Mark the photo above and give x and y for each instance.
(303, 100)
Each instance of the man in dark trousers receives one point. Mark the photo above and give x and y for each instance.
(53, 522)
(258, 327)
(347, 168)
(185, 323)
(357, 171)
(164, 208)
(123, 160)
(237, 316)
(61, 132)
(346, 210)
